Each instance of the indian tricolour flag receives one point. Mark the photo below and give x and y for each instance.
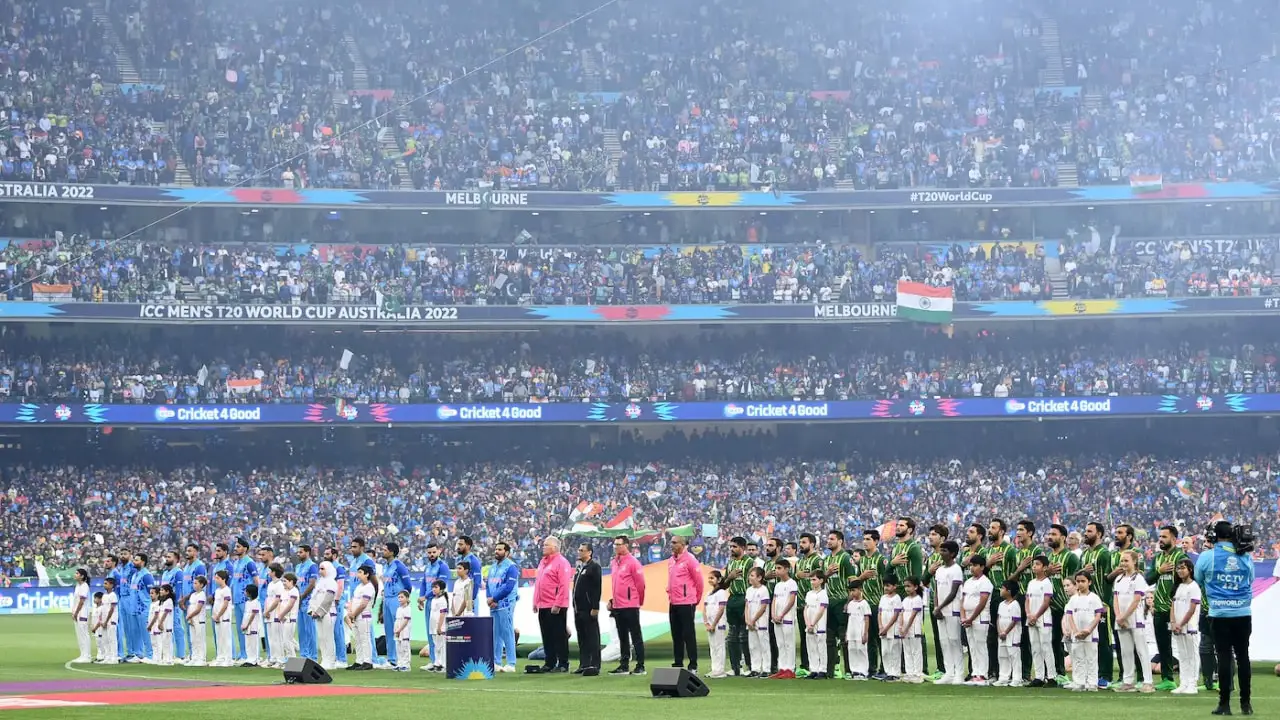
(1146, 183)
(924, 303)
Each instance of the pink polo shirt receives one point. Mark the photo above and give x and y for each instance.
(554, 581)
(684, 580)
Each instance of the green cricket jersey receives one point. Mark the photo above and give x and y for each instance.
(1003, 570)
(1164, 582)
(930, 574)
(1022, 556)
(744, 565)
(772, 583)
(807, 564)
(914, 568)
(1103, 563)
(1070, 564)
(873, 589)
(840, 571)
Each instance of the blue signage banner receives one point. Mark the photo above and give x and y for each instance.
(469, 648)
(633, 412)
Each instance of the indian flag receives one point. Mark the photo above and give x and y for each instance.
(1146, 183)
(624, 520)
(924, 303)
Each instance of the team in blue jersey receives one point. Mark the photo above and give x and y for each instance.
(197, 600)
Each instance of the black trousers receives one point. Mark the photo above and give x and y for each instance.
(627, 622)
(804, 652)
(1055, 642)
(1164, 644)
(683, 640)
(937, 646)
(555, 636)
(1231, 641)
(588, 626)
(773, 651)
(1208, 653)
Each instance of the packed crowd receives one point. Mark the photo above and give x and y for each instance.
(575, 96)
(451, 275)
(65, 117)
(266, 366)
(1180, 270)
(69, 514)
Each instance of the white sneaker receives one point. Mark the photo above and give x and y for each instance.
(717, 675)
(1000, 683)
(509, 668)
(1072, 686)
(382, 666)
(1017, 683)
(81, 661)
(195, 663)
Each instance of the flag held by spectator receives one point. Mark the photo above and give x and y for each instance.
(585, 510)
(624, 520)
(925, 303)
(347, 357)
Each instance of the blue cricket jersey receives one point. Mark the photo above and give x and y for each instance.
(244, 572)
(307, 572)
(140, 591)
(1227, 579)
(502, 582)
(395, 577)
(175, 578)
(362, 560)
(189, 575)
(438, 570)
(341, 576)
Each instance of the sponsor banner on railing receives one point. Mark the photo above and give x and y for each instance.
(633, 412)
(18, 191)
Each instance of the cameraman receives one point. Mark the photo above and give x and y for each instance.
(1226, 574)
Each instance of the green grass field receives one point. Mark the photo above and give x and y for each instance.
(36, 648)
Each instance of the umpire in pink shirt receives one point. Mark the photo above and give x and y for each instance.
(627, 576)
(684, 592)
(551, 602)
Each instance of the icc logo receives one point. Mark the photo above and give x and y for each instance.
(62, 412)
(1080, 308)
(1204, 403)
(916, 407)
(632, 411)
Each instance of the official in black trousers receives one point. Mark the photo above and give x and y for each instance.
(586, 611)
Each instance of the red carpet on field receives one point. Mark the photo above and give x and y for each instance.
(210, 694)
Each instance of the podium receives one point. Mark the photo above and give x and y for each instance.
(468, 648)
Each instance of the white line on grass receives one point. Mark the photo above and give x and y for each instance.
(476, 687)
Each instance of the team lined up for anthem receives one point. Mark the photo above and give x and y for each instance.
(1016, 608)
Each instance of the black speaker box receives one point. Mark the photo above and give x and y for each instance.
(677, 682)
(304, 671)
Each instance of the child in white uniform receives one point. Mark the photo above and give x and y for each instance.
(360, 618)
(713, 616)
(153, 624)
(757, 616)
(949, 578)
(1080, 624)
(786, 598)
(436, 621)
(1130, 605)
(890, 613)
(164, 650)
(97, 624)
(1009, 636)
(222, 619)
(403, 631)
(1040, 621)
(975, 617)
(82, 606)
(911, 631)
(858, 632)
(291, 604)
(461, 598)
(110, 620)
(1184, 623)
(271, 613)
(815, 625)
(196, 621)
(252, 629)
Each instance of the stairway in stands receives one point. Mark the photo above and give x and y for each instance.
(128, 73)
(388, 128)
(613, 147)
(1051, 43)
(835, 152)
(1057, 278)
(590, 71)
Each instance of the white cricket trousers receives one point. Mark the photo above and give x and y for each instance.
(952, 647)
(891, 656)
(716, 639)
(1042, 665)
(1010, 658)
(758, 649)
(252, 646)
(164, 647)
(324, 640)
(287, 634)
(82, 639)
(112, 654)
(274, 644)
(979, 661)
(1084, 663)
(1188, 645)
(859, 659)
(222, 639)
(1133, 644)
(199, 653)
(403, 653)
(363, 641)
(912, 657)
(785, 636)
(817, 644)
(441, 641)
